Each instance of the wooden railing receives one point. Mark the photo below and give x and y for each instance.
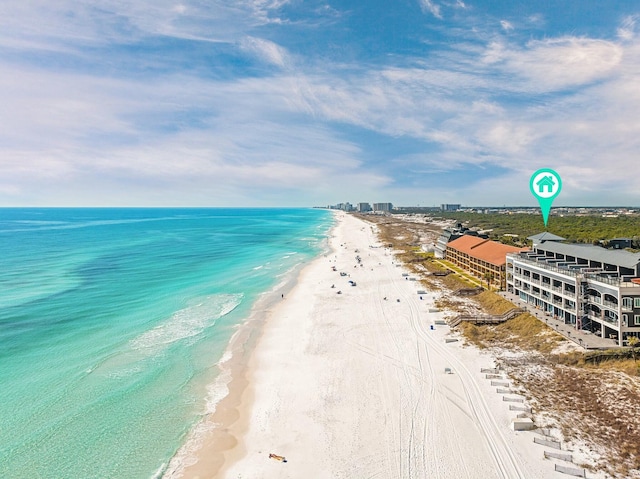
(487, 319)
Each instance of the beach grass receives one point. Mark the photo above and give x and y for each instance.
(593, 398)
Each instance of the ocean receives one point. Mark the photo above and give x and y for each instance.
(112, 322)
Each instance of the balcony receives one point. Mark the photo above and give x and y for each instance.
(594, 317)
(582, 271)
(610, 304)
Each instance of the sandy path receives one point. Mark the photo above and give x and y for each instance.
(353, 386)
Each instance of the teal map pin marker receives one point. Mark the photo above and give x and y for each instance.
(545, 185)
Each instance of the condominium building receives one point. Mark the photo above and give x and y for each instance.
(382, 207)
(450, 234)
(447, 235)
(593, 288)
(449, 207)
(483, 258)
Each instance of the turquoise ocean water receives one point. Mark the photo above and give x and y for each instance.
(112, 322)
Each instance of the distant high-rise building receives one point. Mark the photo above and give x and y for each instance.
(344, 206)
(449, 207)
(382, 207)
(364, 207)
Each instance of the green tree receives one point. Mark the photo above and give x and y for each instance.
(488, 276)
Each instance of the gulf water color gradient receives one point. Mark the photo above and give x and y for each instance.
(112, 322)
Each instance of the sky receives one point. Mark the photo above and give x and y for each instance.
(314, 102)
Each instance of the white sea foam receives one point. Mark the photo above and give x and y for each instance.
(183, 325)
(219, 389)
(40, 222)
(216, 392)
(61, 225)
(186, 323)
(160, 471)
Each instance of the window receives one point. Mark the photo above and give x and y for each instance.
(636, 302)
(625, 318)
(636, 320)
(627, 303)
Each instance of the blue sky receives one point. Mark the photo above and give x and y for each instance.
(300, 103)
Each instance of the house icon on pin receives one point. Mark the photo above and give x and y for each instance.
(546, 182)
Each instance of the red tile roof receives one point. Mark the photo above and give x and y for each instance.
(484, 249)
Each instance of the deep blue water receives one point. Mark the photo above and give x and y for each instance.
(111, 321)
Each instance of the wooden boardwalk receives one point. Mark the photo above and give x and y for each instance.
(486, 318)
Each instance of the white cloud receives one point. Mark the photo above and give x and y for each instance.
(430, 6)
(494, 53)
(592, 123)
(506, 138)
(560, 63)
(569, 103)
(265, 50)
(49, 25)
(627, 29)
(264, 9)
(506, 25)
(107, 134)
(536, 19)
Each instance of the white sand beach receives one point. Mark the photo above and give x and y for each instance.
(354, 385)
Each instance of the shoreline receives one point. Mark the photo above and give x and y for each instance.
(369, 383)
(225, 425)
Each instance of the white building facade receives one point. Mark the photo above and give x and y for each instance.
(590, 287)
(385, 207)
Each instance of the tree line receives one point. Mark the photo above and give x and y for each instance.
(593, 229)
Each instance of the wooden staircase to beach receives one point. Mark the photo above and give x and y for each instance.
(468, 291)
(487, 318)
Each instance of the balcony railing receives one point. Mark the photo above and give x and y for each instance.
(580, 270)
(610, 304)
